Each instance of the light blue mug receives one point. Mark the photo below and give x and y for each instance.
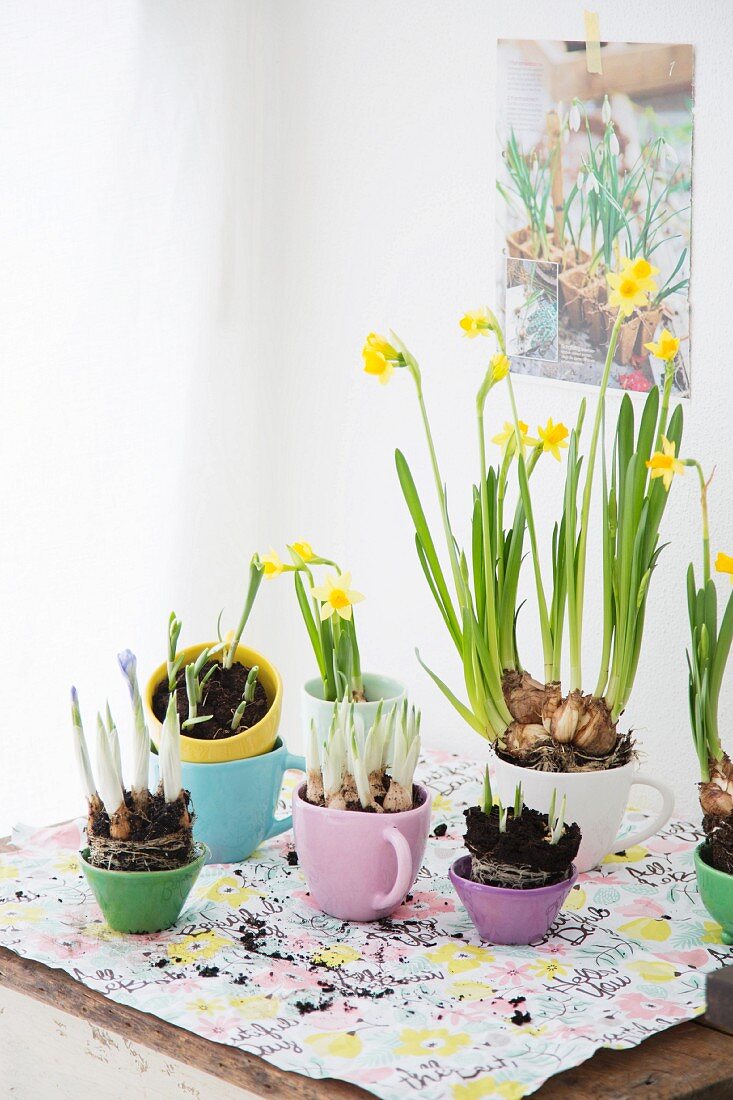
(235, 802)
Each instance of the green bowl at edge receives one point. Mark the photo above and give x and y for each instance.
(143, 901)
(716, 891)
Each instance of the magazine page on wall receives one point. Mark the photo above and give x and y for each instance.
(593, 170)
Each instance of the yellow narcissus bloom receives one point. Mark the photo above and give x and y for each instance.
(379, 357)
(664, 464)
(476, 324)
(641, 270)
(336, 595)
(499, 367)
(666, 348)
(724, 564)
(553, 437)
(507, 437)
(304, 550)
(627, 293)
(272, 566)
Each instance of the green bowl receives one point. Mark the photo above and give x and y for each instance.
(143, 901)
(716, 891)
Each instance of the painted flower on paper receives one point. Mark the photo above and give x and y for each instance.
(548, 968)
(194, 947)
(553, 437)
(459, 957)
(438, 1042)
(488, 1088)
(724, 564)
(272, 564)
(206, 1006)
(256, 1007)
(664, 464)
(336, 596)
(304, 550)
(336, 1044)
(478, 323)
(229, 890)
(666, 346)
(336, 955)
(380, 358)
(17, 912)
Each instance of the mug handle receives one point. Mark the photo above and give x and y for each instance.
(282, 824)
(403, 882)
(652, 827)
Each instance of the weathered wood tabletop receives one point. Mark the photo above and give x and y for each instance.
(58, 1038)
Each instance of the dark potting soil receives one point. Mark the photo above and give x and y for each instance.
(524, 843)
(158, 840)
(719, 831)
(222, 695)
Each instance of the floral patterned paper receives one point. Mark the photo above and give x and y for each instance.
(414, 1004)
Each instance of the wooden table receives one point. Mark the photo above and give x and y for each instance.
(60, 1039)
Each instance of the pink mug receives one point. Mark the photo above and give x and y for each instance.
(359, 866)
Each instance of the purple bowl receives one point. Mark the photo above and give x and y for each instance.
(508, 916)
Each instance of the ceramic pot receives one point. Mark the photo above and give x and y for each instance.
(254, 741)
(501, 915)
(716, 891)
(596, 800)
(142, 901)
(314, 706)
(359, 866)
(234, 802)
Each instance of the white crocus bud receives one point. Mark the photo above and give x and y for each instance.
(169, 752)
(80, 749)
(110, 786)
(114, 744)
(141, 746)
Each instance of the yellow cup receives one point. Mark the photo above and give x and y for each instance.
(255, 741)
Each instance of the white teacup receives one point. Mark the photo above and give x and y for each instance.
(596, 800)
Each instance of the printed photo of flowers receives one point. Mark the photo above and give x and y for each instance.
(531, 309)
(594, 176)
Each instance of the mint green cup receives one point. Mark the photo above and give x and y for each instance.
(716, 891)
(143, 901)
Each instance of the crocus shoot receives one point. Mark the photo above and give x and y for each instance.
(358, 769)
(132, 828)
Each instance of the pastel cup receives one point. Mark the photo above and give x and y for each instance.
(360, 866)
(254, 740)
(142, 901)
(315, 708)
(504, 916)
(234, 802)
(596, 800)
(716, 891)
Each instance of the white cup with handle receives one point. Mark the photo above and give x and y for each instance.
(596, 800)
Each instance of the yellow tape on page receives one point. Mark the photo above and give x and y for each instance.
(592, 42)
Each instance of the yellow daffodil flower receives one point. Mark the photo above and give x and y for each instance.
(304, 550)
(272, 565)
(336, 595)
(724, 564)
(664, 464)
(476, 324)
(553, 437)
(627, 292)
(641, 270)
(380, 357)
(507, 437)
(666, 348)
(499, 367)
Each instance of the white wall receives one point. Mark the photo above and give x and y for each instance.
(203, 210)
